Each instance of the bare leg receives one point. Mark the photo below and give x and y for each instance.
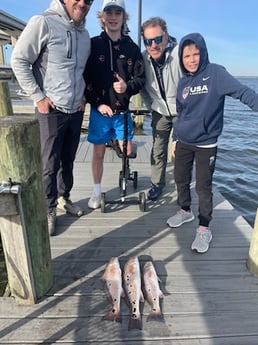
(129, 146)
(97, 162)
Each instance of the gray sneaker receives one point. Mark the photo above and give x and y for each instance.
(202, 240)
(180, 218)
(51, 222)
(66, 205)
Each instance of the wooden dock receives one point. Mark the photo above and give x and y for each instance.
(210, 299)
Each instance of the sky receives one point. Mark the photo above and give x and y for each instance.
(230, 28)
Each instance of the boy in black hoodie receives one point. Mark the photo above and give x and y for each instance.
(114, 73)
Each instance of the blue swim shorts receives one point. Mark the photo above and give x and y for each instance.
(104, 128)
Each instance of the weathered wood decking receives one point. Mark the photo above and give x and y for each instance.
(211, 299)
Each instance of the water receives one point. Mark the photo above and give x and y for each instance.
(237, 164)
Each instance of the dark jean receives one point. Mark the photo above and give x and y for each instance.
(205, 159)
(59, 137)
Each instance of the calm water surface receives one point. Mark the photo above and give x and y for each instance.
(237, 164)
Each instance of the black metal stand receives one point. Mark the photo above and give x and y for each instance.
(125, 175)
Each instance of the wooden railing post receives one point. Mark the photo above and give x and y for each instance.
(5, 99)
(252, 262)
(23, 220)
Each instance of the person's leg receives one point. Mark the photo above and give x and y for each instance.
(161, 131)
(97, 162)
(97, 173)
(205, 166)
(71, 139)
(184, 159)
(100, 132)
(51, 137)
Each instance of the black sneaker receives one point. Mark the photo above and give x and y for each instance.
(154, 193)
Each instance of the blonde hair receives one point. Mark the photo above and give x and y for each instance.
(124, 28)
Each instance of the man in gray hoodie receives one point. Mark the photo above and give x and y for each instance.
(48, 61)
(159, 94)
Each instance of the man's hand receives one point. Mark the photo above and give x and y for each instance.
(82, 106)
(44, 105)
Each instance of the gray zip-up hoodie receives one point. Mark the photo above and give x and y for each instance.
(150, 93)
(50, 56)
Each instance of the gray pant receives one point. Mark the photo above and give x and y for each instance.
(161, 132)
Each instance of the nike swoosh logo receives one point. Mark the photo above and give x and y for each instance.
(205, 78)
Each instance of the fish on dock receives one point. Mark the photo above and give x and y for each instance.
(132, 286)
(112, 278)
(153, 292)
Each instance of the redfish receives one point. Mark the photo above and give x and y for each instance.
(132, 286)
(153, 292)
(112, 278)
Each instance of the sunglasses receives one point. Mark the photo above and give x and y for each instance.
(157, 40)
(88, 2)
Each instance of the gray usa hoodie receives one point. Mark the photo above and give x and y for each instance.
(50, 56)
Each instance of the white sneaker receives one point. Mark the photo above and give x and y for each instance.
(180, 218)
(66, 205)
(94, 201)
(202, 240)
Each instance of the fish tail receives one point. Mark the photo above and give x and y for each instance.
(135, 323)
(155, 315)
(112, 315)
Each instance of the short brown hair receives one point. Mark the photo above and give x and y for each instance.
(154, 21)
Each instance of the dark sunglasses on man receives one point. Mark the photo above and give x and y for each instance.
(157, 40)
(87, 2)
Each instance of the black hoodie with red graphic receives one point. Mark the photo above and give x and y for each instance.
(107, 59)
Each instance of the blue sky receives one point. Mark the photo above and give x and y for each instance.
(229, 27)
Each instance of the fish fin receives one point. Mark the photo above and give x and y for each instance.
(134, 323)
(155, 315)
(111, 315)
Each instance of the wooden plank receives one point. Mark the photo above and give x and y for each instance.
(8, 205)
(17, 259)
(176, 328)
(210, 299)
(97, 303)
(22, 165)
